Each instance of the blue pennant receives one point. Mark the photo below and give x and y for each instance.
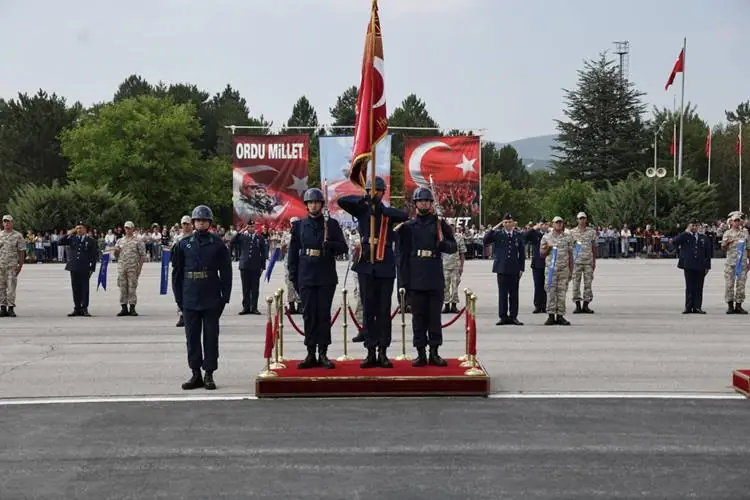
(102, 281)
(550, 274)
(740, 258)
(577, 252)
(272, 262)
(165, 258)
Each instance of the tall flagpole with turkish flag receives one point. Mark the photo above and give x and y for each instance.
(679, 67)
(371, 123)
(708, 153)
(739, 159)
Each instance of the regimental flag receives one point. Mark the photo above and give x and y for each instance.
(679, 67)
(371, 124)
(708, 143)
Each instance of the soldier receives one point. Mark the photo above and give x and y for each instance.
(377, 274)
(187, 230)
(557, 247)
(453, 267)
(356, 249)
(734, 243)
(508, 265)
(253, 255)
(534, 238)
(422, 241)
(12, 256)
(130, 254)
(316, 241)
(83, 252)
(291, 293)
(695, 260)
(584, 263)
(202, 285)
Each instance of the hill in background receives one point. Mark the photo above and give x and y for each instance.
(536, 152)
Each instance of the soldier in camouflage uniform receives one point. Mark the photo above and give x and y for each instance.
(584, 263)
(187, 229)
(453, 267)
(130, 253)
(12, 255)
(734, 285)
(291, 294)
(557, 287)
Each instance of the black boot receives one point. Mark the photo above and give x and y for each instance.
(310, 361)
(537, 310)
(421, 357)
(578, 307)
(323, 358)
(586, 309)
(562, 321)
(737, 309)
(454, 308)
(300, 308)
(75, 312)
(383, 360)
(730, 308)
(12, 312)
(132, 310)
(550, 320)
(195, 381)
(370, 361)
(243, 312)
(123, 310)
(3, 311)
(446, 309)
(360, 337)
(292, 308)
(180, 322)
(435, 359)
(208, 381)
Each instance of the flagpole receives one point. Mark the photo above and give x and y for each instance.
(682, 103)
(372, 114)
(739, 144)
(673, 147)
(710, 145)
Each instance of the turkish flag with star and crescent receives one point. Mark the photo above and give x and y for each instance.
(269, 175)
(453, 163)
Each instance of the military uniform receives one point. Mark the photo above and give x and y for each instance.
(735, 242)
(312, 267)
(11, 245)
(253, 255)
(453, 264)
(177, 238)
(508, 265)
(131, 255)
(202, 285)
(291, 293)
(695, 252)
(583, 266)
(83, 253)
(557, 286)
(533, 237)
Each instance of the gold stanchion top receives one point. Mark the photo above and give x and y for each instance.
(344, 291)
(402, 291)
(269, 300)
(280, 291)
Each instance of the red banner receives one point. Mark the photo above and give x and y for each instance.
(453, 163)
(269, 177)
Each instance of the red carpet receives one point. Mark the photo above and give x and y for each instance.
(741, 381)
(348, 379)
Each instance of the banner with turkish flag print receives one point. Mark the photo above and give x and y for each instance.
(371, 123)
(679, 67)
(708, 143)
(454, 164)
(269, 175)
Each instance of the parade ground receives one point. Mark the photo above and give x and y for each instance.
(631, 402)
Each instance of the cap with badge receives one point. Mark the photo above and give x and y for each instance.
(694, 221)
(81, 223)
(129, 224)
(542, 221)
(581, 215)
(507, 216)
(186, 220)
(7, 217)
(557, 219)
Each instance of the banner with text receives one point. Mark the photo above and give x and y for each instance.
(269, 175)
(335, 159)
(453, 162)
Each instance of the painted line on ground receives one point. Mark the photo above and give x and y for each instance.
(618, 395)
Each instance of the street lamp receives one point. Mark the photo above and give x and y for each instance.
(655, 173)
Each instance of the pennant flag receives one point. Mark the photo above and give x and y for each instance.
(708, 143)
(102, 281)
(272, 262)
(371, 123)
(679, 67)
(166, 255)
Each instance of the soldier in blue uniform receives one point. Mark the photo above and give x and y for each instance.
(696, 252)
(376, 277)
(312, 271)
(202, 285)
(421, 243)
(509, 255)
(253, 251)
(83, 253)
(534, 238)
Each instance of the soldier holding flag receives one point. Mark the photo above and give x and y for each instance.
(734, 243)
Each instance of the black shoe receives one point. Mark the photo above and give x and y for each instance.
(578, 308)
(537, 310)
(502, 321)
(514, 321)
(371, 360)
(243, 312)
(562, 321)
(180, 322)
(435, 359)
(12, 312)
(85, 312)
(75, 312)
(255, 312)
(454, 308)
(208, 381)
(195, 382)
(737, 309)
(292, 308)
(132, 310)
(123, 310)
(550, 320)
(360, 337)
(383, 360)
(730, 308)
(310, 361)
(3, 311)
(323, 358)
(446, 309)
(585, 309)
(698, 311)
(421, 358)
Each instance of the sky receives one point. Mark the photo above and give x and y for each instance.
(498, 65)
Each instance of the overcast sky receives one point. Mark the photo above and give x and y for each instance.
(496, 64)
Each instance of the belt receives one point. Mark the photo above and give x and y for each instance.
(196, 275)
(426, 253)
(312, 252)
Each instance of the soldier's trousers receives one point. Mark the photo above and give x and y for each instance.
(694, 289)
(734, 287)
(359, 309)
(540, 292)
(127, 280)
(452, 282)
(583, 270)
(250, 288)
(79, 282)
(291, 293)
(507, 287)
(426, 307)
(557, 291)
(316, 301)
(8, 283)
(202, 333)
(377, 293)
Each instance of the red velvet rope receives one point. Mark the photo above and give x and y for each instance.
(454, 318)
(395, 312)
(446, 325)
(335, 316)
(301, 332)
(354, 319)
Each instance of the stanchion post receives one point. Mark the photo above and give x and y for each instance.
(474, 370)
(267, 372)
(345, 327)
(467, 313)
(277, 364)
(402, 307)
(281, 325)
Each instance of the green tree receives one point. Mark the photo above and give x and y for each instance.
(602, 138)
(56, 206)
(133, 86)
(304, 115)
(567, 200)
(694, 161)
(741, 114)
(229, 108)
(344, 112)
(411, 113)
(499, 198)
(506, 161)
(725, 168)
(144, 145)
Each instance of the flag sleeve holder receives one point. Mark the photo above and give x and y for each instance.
(280, 292)
(267, 372)
(475, 369)
(467, 309)
(402, 306)
(345, 328)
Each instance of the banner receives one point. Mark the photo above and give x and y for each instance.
(335, 160)
(453, 163)
(166, 258)
(269, 175)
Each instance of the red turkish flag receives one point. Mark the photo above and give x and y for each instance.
(708, 143)
(454, 165)
(679, 67)
(371, 124)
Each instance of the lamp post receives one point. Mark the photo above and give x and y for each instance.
(655, 173)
